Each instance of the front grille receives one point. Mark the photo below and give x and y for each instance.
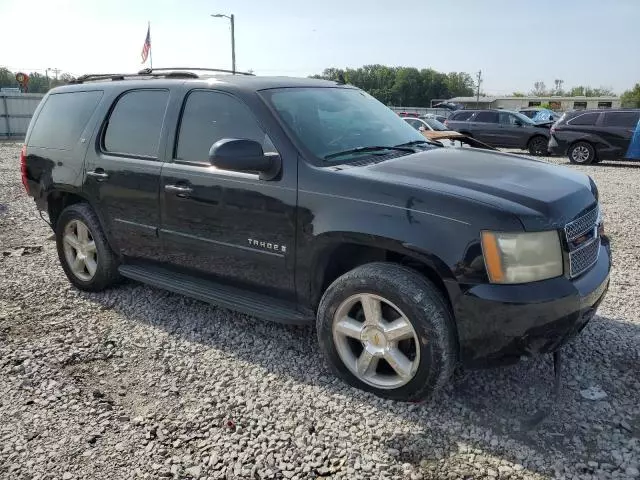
(583, 242)
(584, 257)
(581, 225)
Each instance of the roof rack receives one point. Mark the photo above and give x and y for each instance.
(186, 72)
(147, 71)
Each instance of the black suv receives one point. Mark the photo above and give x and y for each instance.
(588, 136)
(502, 128)
(301, 201)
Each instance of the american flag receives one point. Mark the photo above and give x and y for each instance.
(147, 45)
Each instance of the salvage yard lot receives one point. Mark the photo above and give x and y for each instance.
(136, 382)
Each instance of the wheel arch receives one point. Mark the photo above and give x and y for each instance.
(340, 254)
(59, 199)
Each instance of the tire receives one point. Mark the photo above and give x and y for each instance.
(73, 243)
(430, 347)
(582, 153)
(537, 146)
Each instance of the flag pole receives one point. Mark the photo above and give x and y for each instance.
(150, 46)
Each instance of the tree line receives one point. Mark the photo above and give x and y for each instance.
(38, 83)
(404, 86)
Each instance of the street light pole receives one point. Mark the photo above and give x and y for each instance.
(233, 38)
(233, 46)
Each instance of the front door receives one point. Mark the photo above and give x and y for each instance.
(512, 130)
(122, 172)
(231, 226)
(618, 129)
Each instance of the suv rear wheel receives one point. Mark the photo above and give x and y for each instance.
(582, 153)
(85, 255)
(538, 145)
(386, 329)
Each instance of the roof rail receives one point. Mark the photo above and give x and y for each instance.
(152, 72)
(149, 71)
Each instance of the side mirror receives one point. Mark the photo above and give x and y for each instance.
(243, 155)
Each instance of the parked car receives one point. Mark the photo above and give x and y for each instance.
(302, 201)
(589, 136)
(540, 115)
(436, 131)
(502, 128)
(440, 118)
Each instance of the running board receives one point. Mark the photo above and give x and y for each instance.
(254, 304)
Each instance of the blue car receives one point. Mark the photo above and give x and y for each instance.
(541, 115)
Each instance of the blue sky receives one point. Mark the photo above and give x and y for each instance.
(514, 43)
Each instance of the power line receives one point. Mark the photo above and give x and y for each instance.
(479, 77)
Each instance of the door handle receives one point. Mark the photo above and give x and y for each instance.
(179, 190)
(99, 174)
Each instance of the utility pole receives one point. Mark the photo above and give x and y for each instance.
(233, 45)
(479, 81)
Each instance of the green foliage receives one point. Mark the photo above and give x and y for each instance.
(38, 83)
(404, 85)
(582, 91)
(546, 105)
(631, 98)
(518, 94)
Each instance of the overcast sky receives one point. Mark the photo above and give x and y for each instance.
(514, 43)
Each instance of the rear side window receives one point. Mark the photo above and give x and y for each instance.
(460, 116)
(63, 118)
(211, 116)
(136, 122)
(585, 119)
(621, 119)
(486, 117)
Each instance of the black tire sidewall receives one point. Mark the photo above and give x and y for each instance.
(533, 142)
(429, 317)
(106, 260)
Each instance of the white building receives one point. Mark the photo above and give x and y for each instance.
(556, 102)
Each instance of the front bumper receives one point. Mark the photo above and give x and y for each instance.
(498, 324)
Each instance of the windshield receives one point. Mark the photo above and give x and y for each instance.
(435, 124)
(328, 121)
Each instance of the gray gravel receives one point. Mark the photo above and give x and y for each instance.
(136, 382)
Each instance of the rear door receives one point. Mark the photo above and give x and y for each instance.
(618, 129)
(122, 171)
(485, 127)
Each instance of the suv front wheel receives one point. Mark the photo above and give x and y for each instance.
(386, 329)
(83, 250)
(582, 153)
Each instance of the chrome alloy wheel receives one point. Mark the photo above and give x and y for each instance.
(80, 250)
(580, 154)
(376, 341)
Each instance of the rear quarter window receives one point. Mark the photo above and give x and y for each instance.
(63, 118)
(585, 119)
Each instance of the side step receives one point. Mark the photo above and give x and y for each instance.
(257, 305)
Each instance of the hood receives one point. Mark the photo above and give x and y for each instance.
(542, 195)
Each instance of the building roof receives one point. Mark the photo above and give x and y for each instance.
(530, 97)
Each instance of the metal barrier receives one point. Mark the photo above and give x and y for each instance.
(16, 110)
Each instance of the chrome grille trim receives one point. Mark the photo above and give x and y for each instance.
(583, 258)
(581, 225)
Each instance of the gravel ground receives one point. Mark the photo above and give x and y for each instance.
(136, 382)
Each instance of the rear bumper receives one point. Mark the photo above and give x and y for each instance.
(498, 324)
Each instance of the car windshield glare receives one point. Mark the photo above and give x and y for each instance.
(328, 121)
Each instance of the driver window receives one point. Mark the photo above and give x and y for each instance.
(211, 116)
(506, 118)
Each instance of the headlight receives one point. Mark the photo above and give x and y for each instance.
(522, 257)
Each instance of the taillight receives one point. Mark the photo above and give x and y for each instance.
(23, 167)
(553, 129)
(446, 123)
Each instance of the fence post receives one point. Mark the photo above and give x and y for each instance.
(6, 114)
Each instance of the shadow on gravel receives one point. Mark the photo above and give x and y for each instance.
(481, 409)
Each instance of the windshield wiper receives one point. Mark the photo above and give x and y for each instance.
(376, 148)
(419, 142)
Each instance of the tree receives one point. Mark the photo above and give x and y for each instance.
(539, 89)
(631, 98)
(518, 94)
(582, 91)
(459, 84)
(558, 87)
